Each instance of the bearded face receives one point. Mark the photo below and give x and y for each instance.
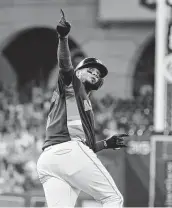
(90, 77)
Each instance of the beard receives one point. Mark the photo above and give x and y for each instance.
(90, 86)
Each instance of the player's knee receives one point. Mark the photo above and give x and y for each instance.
(114, 199)
(121, 200)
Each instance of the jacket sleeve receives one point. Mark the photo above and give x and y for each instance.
(64, 60)
(99, 146)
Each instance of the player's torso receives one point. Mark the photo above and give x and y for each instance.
(71, 115)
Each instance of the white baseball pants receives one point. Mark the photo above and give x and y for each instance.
(67, 168)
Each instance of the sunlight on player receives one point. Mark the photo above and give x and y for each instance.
(68, 163)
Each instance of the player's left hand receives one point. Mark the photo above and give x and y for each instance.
(63, 27)
(116, 141)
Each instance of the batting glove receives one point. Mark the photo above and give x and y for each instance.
(115, 141)
(63, 27)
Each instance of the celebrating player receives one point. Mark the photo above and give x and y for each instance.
(68, 163)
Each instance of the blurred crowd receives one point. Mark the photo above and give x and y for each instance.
(131, 116)
(21, 137)
(22, 130)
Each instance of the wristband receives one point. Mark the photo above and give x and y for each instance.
(105, 143)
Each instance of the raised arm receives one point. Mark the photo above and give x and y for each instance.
(63, 52)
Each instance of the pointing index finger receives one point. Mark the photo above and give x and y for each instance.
(63, 15)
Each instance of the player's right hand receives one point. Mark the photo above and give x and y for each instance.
(63, 27)
(116, 141)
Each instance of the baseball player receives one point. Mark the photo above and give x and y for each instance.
(68, 163)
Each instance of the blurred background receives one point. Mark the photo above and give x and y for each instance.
(131, 37)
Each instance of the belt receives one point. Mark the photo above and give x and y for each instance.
(50, 146)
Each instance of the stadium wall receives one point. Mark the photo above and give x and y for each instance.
(116, 45)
